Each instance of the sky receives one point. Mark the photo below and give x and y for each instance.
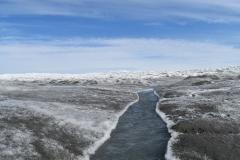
(82, 36)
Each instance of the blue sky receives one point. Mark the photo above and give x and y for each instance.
(79, 36)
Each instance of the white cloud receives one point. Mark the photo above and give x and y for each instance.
(90, 55)
(153, 10)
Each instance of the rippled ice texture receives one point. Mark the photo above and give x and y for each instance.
(205, 109)
(45, 121)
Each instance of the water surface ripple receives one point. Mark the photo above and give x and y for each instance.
(140, 134)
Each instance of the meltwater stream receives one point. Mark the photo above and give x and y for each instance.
(140, 134)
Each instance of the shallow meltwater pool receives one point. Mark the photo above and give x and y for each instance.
(140, 134)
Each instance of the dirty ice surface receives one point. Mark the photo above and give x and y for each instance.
(54, 116)
(205, 113)
(55, 122)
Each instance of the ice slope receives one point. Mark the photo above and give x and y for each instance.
(203, 111)
(56, 122)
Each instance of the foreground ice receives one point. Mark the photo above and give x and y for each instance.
(203, 112)
(55, 122)
(54, 116)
